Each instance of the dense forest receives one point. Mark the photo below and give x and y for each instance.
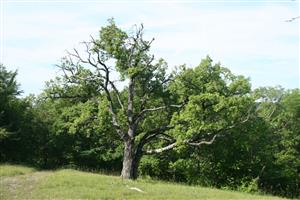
(117, 108)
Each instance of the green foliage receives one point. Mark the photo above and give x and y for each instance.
(80, 135)
(249, 186)
(14, 116)
(150, 166)
(216, 100)
(9, 89)
(114, 43)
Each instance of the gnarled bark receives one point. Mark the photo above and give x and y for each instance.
(128, 158)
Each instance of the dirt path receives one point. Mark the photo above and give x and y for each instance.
(21, 186)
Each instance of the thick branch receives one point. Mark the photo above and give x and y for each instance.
(147, 137)
(155, 132)
(117, 94)
(115, 122)
(174, 144)
(130, 114)
(160, 150)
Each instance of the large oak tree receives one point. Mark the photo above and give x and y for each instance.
(152, 111)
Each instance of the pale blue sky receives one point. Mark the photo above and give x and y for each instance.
(251, 38)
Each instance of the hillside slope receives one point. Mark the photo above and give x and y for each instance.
(17, 182)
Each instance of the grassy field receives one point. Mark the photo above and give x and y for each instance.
(18, 182)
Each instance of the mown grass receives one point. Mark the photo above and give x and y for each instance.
(72, 184)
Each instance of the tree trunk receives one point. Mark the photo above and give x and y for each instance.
(128, 155)
(128, 160)
(131, 160)
(135, 163)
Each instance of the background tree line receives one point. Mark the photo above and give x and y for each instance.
(201, 125)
